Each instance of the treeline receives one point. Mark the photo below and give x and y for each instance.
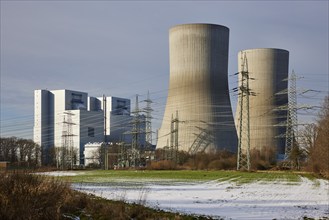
(20, 152)
(220, 160)
(315, 139)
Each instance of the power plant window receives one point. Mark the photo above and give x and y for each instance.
(121, 108)
(77, 102)
(91, 132)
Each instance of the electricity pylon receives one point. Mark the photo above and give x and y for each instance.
(135, 133)
(243, 160)
(68, 154)
(174, 137)
(292, 125)
(148, 122)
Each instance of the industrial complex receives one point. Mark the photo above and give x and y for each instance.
(198, 114)
(70, 120)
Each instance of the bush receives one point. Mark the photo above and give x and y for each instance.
(222, 164)
(162, 165)
(222, 160)
(28, 196)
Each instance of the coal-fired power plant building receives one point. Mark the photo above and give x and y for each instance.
(268, 72)
(198, 114)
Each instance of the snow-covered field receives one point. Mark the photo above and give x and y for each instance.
(223, 199)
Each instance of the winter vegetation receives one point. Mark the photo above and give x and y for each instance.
(315, 138)
(20, 152)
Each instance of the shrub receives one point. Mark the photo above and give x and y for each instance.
(222, 164)
(162, 165)
(28, 196)
(214, 161)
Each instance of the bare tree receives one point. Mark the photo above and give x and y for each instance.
(319, 154)
(20, 152)
(9, 149)
(307, 137)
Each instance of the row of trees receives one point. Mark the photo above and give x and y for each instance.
(20, 152)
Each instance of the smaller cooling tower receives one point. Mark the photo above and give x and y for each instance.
(268, 72)
(198, 114)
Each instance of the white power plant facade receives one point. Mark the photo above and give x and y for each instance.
(118, 119)
(71, 118)
(198, 114)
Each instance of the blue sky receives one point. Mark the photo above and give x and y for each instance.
(120, 48)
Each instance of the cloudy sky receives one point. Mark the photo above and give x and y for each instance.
(120, 48)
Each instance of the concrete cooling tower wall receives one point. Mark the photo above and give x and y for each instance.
(268, 70)
(198, 95)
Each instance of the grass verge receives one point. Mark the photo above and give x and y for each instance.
(103, 176)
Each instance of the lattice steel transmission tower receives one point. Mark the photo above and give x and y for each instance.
(105, 118)
(292, 123)
(68, 157)
(174, 137)
(135, 143)
(148, 122)
(243, 160)
(104, 147)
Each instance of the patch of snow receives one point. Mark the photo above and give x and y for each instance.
(60, 173)
(227, 199)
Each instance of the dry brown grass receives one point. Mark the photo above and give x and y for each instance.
(222, 160)
(27, 196)
(162, 165)
(211, 161)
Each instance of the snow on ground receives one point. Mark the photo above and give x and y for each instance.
(228, 200)
(60, 173)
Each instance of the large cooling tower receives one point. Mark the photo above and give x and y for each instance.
(198, 95)
(268, 72)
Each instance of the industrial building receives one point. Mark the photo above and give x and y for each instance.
(268, 99)
(70, 119)
(118, 119)
(198, 114)
(92, 153)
